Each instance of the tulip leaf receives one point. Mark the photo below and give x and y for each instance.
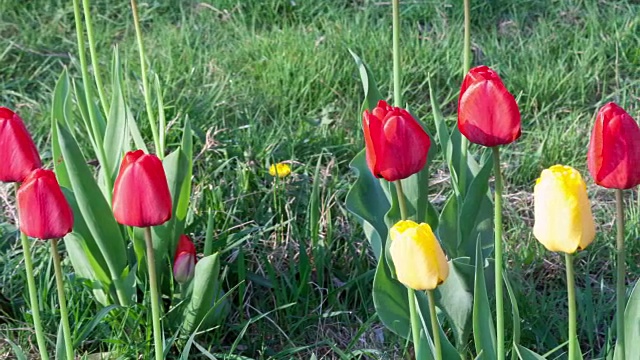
(526, 354)
(205, 291)
(94, 209)
(515, 314)
(116, 139)
(60, 113)
(476, 215)
(483, 329)
(86, 267)
(455, 298)
(371, 93)
(182, 202)
(366, 199)
(631, 325)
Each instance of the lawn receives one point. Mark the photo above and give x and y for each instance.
(273, 80)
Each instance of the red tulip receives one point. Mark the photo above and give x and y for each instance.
(18, 153)
(487, 113)
(141, 194)
(42, 208)
(396, 143)
(614, 149)
(185, 260)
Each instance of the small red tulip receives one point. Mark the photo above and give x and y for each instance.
(42, 208)
(185, 260)
(396, 144)
(18, 153)
(487, 112)
(141, 196)
(614, 150)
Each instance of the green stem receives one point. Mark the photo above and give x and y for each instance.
(415, 321)
(145, 81)
(621, 291)
(434, 324)
(153, 284)
(64, 314)
(397, 92)
(89, 94)
(571, 296)
(33, 297)
(466, 54)
(401, 200)
(94, 56)
(498, 254)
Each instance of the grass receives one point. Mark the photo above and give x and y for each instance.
(267, 81)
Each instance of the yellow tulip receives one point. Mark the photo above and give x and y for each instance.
(417, 256)
(280, 170)
(563, 219)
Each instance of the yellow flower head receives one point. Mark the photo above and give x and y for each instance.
(417, 256)
(280, 170)
(563, 219)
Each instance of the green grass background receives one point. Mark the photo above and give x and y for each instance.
(272, 80)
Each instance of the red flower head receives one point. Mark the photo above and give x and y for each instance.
(396, 143)
(185, 260)
(42, 208)
(487, 113)
(18, 153)
(141, 196)
(614, 149)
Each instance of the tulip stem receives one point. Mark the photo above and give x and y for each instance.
(415, 322)
(466, 53)
(434, 324)
(153, 284)
(145, 81)
(64, 314)
(397, 92)
(571, 297)
(621, 291)
(33, 297)
(498, 254)
(94, 57)
(401, 200)
(35, 309)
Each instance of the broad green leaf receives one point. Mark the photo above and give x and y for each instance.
(87, 268)
(116, 133)
(182, 207)
(632, 325)
(455, 298)
(448, 227)
(483, 328)
(476, 215)
(60, 113)
(526, 354)
(371, 93)
(95, 210)
(366, 199)
(206, 290)
(515, 314)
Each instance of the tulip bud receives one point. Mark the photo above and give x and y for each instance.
(18, 153)
(614, 149)
(488, 114)
(42, 208)
(417, 256)
(280, 170)
(563, 219)
(396, 144)
(185, 260)
(141, 196)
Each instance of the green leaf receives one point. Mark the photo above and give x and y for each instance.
(476, 215)
(526, 354)
(116, 135)
(366, 199)
(94, 208)
(483, 329)
(162, 121)
(206, 290)
(515, 314)
(16, 350)
(448, 227)
(632, 325)
(60, 113)
(185, 193)
(371, 93)
(455, 298)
